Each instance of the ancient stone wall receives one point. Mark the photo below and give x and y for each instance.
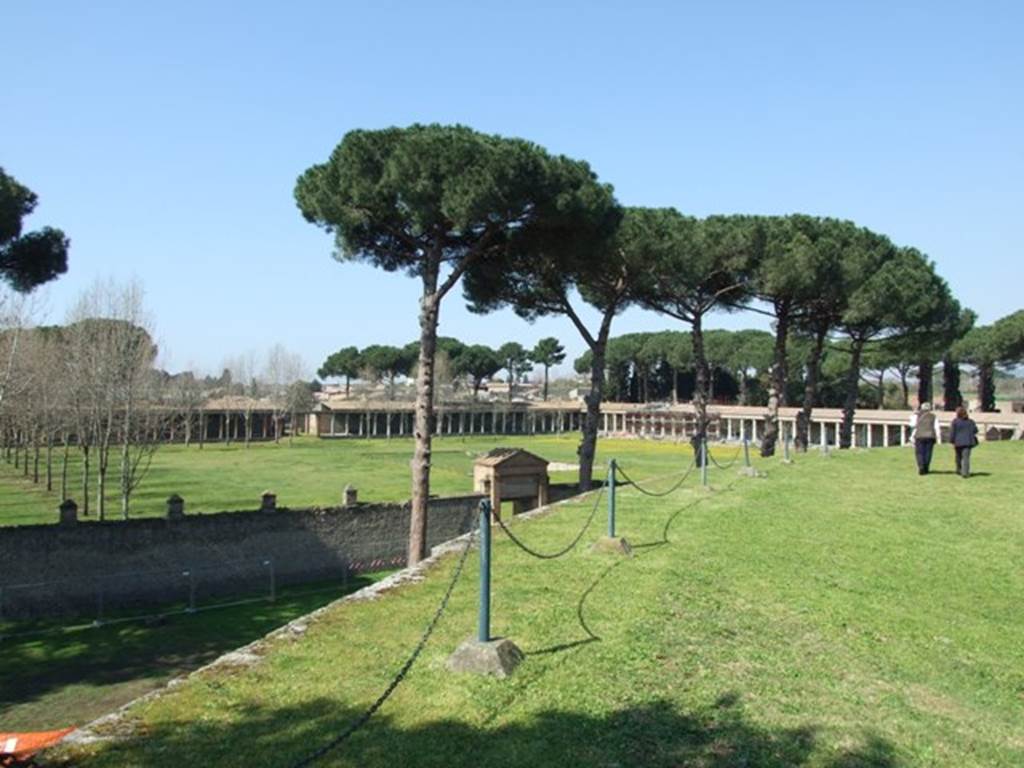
(92, 568)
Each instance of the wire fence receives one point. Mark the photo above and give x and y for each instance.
(216, 576)
(48, 607)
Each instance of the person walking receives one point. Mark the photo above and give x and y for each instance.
(925, 425)
(963, 434)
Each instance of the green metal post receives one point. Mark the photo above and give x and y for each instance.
(785, 443)
(746, 452)
(611, 499)
(484, 631)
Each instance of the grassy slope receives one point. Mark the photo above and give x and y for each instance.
(839, 612)
(310, 472)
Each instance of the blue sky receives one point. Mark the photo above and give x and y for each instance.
(166, 139)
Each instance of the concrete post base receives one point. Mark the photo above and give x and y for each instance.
(613, 545)
(497, 657)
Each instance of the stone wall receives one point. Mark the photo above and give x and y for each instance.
(99, 568)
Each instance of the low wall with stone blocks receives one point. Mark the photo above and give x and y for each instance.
(93, 568)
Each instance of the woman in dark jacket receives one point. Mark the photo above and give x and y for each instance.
(963, 434)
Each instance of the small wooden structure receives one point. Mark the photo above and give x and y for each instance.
(512, 474)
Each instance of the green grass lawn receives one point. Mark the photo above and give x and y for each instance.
(59, 676)
(837, 612)
(309, 472)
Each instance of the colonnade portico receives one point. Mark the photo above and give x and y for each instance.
(394, 422)
(871, 428)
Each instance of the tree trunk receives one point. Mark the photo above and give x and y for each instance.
(85, 480)
(101, 487)
(348, 382)
(987, 387)
(777, 381)
(64, 469)
(852, 388)
(248, 427)
(951, 396)
(202, 428)
(35, 456)
(905, 385)
(188, 429)
(49, 461)
(592, 418)
(423, 425)
(126, 488)
(700, 390)
(924, 382)
(545, 383)
(803, 419)
(881, 389)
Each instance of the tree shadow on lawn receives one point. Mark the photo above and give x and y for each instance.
(38, 665)
(652, 734)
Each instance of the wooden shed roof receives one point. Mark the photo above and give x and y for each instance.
(514, 455)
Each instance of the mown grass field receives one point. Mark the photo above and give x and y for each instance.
(310, 472)
(837, 612)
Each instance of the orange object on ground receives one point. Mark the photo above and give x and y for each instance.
(16, 748)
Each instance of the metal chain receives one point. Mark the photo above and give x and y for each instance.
(364, 718)
(734, 459)
(551, 556)
(659, 494)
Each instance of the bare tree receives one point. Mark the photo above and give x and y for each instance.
(300, 400)
(110, 357)
(282, 369)
(141, 433)
(185, 396)
(243, 370)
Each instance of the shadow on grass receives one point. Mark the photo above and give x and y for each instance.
(591, 636)
(36, 666)
(654, 734)
(640, 550)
